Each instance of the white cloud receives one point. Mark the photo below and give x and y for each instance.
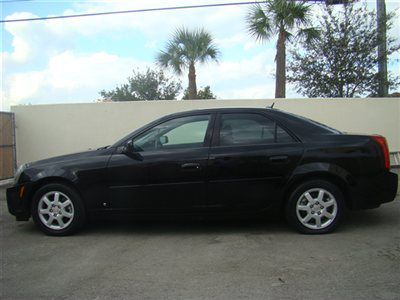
(153, 24)
(68, 77)
(260, 66)
(254, 92)
(39, 41)
(33, 39)
(65, 75)
(25, 85)
(242, 38)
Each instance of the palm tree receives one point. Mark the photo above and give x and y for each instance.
(184, 50)
(287, 19)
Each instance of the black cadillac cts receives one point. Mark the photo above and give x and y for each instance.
(215, 162)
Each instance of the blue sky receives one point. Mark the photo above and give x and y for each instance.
(71, 60)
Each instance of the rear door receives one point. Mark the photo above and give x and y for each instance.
(250, 157)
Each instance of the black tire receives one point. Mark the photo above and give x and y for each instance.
(318, 210)
(77, 208)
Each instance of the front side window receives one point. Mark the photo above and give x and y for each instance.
(185, 132)
(250, 129)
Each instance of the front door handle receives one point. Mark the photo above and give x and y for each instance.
(191, 166)
(279, 159)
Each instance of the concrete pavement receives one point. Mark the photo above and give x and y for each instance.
(204, 260)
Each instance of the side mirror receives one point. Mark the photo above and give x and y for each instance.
(128, 148)
(129, 151)
(164, 140)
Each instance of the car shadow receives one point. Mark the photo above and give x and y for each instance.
(373, 218)
(352, 221)
(186, 226)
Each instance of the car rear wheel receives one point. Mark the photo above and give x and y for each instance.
(57, 209)
(315, 206)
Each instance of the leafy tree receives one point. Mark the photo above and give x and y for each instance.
(204, 93)
(343, 63)
(288, 19)
(184, 50)
(149, 85)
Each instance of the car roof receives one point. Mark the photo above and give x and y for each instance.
(302, 127)
(225, 109)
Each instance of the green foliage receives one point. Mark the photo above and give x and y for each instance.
(289, 20)
(265, 20)
(204, 93)
(184, 50)
(149, 85)
(187, 47)
(343, 63)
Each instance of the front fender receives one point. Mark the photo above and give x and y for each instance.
(38, 174)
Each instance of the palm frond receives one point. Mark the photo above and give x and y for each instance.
(172, 58)
(259, 23)
(308, 35)
(288, 35)
(205, 47)
(287, 15)
(301, 14)
(186, 47)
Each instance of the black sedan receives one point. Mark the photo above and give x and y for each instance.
(214, 162)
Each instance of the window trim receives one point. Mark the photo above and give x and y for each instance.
(207, 137)
(216, 142)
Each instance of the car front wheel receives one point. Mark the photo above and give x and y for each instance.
(315, 206)
(57, 209)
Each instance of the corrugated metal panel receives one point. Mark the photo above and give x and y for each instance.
(395, 159)
(7, 145)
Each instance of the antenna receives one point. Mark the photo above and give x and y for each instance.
(272, 106)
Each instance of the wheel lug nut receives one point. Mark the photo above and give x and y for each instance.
(321, 207)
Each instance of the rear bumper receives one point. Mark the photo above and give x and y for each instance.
(18, 206)
(371, 192)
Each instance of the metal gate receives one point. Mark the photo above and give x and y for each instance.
(7, 145)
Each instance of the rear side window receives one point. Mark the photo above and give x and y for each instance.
(250, 129)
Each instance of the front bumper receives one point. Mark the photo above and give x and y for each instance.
(19, 206)
(371, 192)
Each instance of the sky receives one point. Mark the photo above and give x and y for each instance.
(72, 60)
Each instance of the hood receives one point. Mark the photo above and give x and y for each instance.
(68, 157)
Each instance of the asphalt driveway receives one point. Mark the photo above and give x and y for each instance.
(204, 260)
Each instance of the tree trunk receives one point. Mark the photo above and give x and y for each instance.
(192, 82)
(280, 80)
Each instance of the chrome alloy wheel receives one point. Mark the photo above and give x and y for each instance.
(316, 208)
(56, 210)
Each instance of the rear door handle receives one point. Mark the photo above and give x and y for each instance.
(191, 166)
(279, 159)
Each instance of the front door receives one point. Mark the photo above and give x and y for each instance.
(167, 171)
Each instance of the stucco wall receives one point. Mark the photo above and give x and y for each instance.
(48, 130)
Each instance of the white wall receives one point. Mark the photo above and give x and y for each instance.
(48, 130)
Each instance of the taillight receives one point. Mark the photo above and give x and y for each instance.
(385, 150)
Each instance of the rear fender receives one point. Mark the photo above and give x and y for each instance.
(330, 172)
